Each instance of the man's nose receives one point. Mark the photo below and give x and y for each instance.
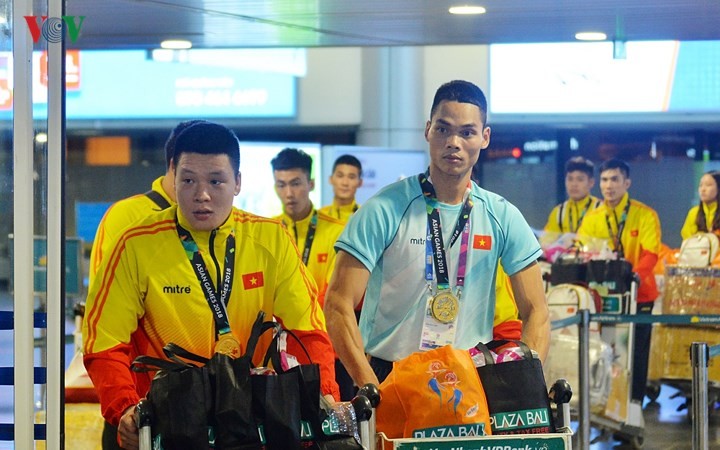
(201, 194)
(453, 141)
(286, 192)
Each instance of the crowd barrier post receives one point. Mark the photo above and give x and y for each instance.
(700, 355)
(584, 378)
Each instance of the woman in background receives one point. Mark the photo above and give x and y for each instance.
(705, 216)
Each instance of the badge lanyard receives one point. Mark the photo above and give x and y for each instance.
(435, 254)
(617, 239)
(580, 219)
(339, 213)
(309, 237)
(217, 300)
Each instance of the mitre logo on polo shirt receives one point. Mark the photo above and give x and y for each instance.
(253, 280)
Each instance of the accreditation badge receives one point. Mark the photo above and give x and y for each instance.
(228, 345)
(445, 306)
(440, 322)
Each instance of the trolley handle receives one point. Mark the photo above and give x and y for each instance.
(560, 394)
(143, 419)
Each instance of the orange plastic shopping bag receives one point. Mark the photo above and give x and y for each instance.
(437, 393)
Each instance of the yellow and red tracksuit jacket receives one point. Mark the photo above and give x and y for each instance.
(321, 260)
(641, 239)
(147, 284)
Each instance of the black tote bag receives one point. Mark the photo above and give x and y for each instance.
(180, 398)
(516, 392)
(568, 270)
(615, 274)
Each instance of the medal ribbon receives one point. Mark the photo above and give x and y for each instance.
(617, 239)
(434, 246)
(580, 219)
(339, 213)
(309, 237)
(217, 301)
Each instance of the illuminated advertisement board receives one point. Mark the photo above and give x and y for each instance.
(588, 78)
(139, 84)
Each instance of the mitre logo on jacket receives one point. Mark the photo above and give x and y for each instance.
(177, 289)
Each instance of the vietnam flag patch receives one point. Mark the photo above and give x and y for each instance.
(482, 242)
(322, 257)
(253, 280)
(634, 233)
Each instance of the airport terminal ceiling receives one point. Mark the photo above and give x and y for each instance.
(310, 23)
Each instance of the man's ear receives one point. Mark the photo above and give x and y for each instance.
(427, 130)
(628, 182)
(312, 184)
(486, 138)
(238, 178)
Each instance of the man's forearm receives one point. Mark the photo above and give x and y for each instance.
(536, 334)
(345, 336)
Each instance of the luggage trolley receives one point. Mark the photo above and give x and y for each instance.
(688, 290)
(560, 394)
(362, 406)
(611, 346)
(617, 285)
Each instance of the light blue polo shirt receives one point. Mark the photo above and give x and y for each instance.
(387, 235)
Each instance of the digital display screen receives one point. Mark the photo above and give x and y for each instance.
(137, 84)
(568, 78)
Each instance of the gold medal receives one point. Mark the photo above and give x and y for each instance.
(228, 345)
(445, 306)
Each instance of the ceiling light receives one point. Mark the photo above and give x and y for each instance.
(590, 36)
(41, 138)
(176, 44)
(466, 9)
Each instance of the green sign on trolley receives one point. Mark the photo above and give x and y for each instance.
(487, 443)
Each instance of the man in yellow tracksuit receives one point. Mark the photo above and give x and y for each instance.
(568, 215)
(119, 216)
(346, 178)
(313, 231)
(163, 277)
(632, 230)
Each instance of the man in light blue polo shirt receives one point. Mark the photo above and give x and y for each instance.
(427, 248)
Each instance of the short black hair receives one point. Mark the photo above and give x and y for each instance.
(463, 92)
(293, 158)
(349, 160)
(580, 164)
(170, 143)
(208, 138)
(616, 163)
